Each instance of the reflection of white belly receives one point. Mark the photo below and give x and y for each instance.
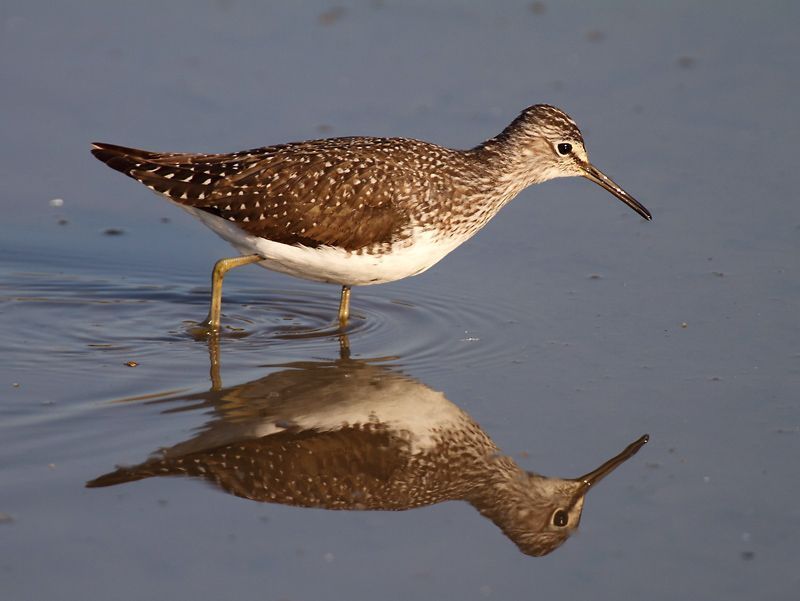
(334, 265)
(406, 407)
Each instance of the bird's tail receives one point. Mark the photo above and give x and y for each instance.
(186, 179)
(122, 475)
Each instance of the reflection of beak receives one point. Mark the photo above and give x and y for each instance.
(609, 466)
(592, 173)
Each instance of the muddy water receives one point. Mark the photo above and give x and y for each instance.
(560, 334)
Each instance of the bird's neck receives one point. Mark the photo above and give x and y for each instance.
(512, 160)
(495, 477)
(502, 493)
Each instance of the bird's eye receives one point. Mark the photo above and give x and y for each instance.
(560, 518)
(564, 148)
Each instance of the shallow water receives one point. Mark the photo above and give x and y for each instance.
(566, 329)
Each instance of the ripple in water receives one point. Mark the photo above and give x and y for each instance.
(416, 326)
(70, 316)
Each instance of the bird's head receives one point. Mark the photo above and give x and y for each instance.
(548, 144)
(540, 513)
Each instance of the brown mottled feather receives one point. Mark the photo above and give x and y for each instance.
(360, 194)
(304, 468)
(346, 192)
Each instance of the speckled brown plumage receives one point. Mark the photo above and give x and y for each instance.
(360, 194)
(322, 192)
(362, 210)
(351, 435)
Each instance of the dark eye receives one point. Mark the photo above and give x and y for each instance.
(564, 148)
(560, 518)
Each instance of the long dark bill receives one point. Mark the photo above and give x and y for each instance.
(593, 174)
(609, 466)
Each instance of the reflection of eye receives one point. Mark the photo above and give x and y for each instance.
(560, 518)
(564, 148)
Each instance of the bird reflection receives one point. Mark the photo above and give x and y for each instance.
(360, 435)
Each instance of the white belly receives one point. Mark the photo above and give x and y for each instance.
(334, 265)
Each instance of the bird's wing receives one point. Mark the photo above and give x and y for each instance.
(346, 469)
(347, 192)
(342, 192)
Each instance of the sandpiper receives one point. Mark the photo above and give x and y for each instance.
(357, 211)
(357, 435)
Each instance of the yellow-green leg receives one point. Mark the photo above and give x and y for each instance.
(344, 306)
(221, 267)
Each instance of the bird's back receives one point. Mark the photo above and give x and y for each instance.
(352, 193)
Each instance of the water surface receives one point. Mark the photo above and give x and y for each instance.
(565, 329)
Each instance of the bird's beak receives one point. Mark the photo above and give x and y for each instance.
(609, 466)
(593, 174)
